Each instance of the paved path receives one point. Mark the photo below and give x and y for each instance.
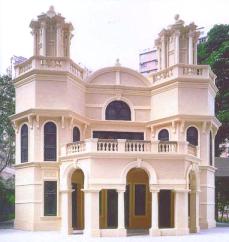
(211, 235)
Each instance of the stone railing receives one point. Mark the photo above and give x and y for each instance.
(107, 145)
(76, 147)
(137, 146)
(185, 71)
(167, 146)
(128, 146)
(49, 63)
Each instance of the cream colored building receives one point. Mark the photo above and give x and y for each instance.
(114, 152)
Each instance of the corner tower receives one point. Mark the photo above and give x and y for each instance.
(177, 44)
(52, 35)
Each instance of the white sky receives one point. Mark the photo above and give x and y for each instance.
(104, 29)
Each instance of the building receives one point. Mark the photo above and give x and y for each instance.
(114, 152)
(148, 61)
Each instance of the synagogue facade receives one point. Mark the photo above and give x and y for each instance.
(114, 152)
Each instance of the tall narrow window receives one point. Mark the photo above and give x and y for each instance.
(192, 136)
(50, 142)
(163, 135)
(210, 149)
(76, 134)
(50, 198)
(118, 110)
(24, 143)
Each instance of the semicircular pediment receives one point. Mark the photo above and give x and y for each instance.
(118, 76)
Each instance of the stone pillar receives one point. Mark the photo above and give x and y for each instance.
(58, 41)
(194, 212)
(66, 211)
(154, 230)
(195, 52)
(181, 212)
(190, 49)
(121, 214)
(177, 47)
(91, 213)
(43, 39)
(35, 42)
(163, 52)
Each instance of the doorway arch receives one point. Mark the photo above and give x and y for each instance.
(137, 200)
(77, 184)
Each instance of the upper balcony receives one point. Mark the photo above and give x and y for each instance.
(128, 146)
(183, 71)
(49, 64)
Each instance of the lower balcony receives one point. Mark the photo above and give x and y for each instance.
(94, 145)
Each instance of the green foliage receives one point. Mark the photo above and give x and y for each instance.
(7, 200)
(7, 101)
(215, 52)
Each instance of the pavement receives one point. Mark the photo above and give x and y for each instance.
(12, 235)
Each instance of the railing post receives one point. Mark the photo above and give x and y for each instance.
(91, 145)
(121, 145)
(154, 146)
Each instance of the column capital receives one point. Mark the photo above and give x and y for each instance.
(120, 190)
(90, 190)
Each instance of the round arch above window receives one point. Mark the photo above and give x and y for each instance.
(76, 134)
(163, 135)
(192, 136)
(118, 110)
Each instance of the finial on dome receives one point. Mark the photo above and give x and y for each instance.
(51, 12)
(176, 17)
(117, 62)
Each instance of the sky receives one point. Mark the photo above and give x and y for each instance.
(104, 30)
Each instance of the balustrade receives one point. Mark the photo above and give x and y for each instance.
(137, 146)
(167, 146)
(107, 145)
(49, 63)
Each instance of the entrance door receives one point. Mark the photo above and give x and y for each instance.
(166, 209)
(77, 200)
(108, 208)
(138, 200)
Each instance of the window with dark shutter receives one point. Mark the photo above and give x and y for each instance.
(50, 142)
(76, 134)
(24, 143)
(163, 135)
(192, 136)
(50, 198)
(210, 149)
(118, 110)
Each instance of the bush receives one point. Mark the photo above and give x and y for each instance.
(7, 201)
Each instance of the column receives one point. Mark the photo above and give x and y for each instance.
(35, 42)
(163, 52)
(91, 213)
(194, 211)
(66, 211)
(43, 29)
(58, 41)
(177, 47)
(154, 230)
(190, 49)
(121, 213)
(181, 211)
(195, 53)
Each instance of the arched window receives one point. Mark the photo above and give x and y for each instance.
(118, 110)
(192, 136)
(210, 149)
(24, 143)
(50, 142)
(76, 134)
(163, 135)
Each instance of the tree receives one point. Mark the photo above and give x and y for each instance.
(215, 52)
(7, 137)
